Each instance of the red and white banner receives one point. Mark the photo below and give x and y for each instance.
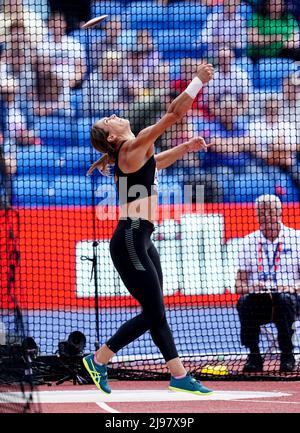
(52, 274)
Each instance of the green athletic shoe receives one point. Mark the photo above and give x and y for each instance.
(98, 373)
(189, 384)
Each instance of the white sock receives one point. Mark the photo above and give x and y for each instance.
(97, 362)
(180, 377)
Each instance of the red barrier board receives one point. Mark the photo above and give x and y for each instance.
(48, 236)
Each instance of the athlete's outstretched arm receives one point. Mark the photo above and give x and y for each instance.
(168, 157)
(177, 109)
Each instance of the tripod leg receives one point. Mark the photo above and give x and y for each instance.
(64, 379)
(81, 380)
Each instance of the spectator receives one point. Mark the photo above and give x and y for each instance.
(275, 136)
(148, 99)
(7, 170)
(187, 65)
(270, 139)
(113, 31)
(21, 60)
(189, 170)
(147, 80)
(273, 32)
(226, 131)
(15, 12)
(142, 68)
(105, 89)
(15, 122)
(67, 55)
(41, 90)
(268, 279)
(113, 28)
(290, 110)
(229, 79)
(60, 67)
(290, 98)
(52, 95)
(226, 26)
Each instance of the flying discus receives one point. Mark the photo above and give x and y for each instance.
(93, 22)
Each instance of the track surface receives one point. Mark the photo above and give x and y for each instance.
(154, 397)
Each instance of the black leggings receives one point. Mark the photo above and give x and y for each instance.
(259, 309)
(137, 262)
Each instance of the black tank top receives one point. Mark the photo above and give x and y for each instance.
(137, 185)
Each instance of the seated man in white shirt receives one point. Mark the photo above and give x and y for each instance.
(268, 279)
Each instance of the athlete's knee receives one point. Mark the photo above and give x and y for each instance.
(155, 318)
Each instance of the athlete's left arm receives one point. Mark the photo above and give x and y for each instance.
(168, 157)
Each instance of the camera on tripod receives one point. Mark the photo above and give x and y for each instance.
(70, 353)
(73, 347)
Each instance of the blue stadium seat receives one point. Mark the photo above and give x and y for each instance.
(55, 131)
(146, 14)
(81, 131)
(31, 190)
(76, 160)
(42, 8)
(246, 187)
(72, 190)
(105, 190)
(109, 8)
(187, 14)
(169, 189)
(180, 15)
(175, 66)
(244, 9)
(170, 39)
(64, 131)
(48, 191)
(269, 73)
(37, 161)
(76, 102)
(246, 64)
(128, 40)
(86, 38)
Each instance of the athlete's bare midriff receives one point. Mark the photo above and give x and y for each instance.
(145, 208)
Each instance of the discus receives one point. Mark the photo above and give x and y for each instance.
(93, 22)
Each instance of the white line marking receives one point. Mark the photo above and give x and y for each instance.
(270, 401)
(107, 408)
(95, 396)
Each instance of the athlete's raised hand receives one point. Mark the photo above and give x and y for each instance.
(205, 72)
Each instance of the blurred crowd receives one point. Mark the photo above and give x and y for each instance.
(48, 69)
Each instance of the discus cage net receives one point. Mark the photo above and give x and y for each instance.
(56, 81)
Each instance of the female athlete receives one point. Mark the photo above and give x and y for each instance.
(133, 253)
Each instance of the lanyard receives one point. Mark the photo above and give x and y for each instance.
(275, 260)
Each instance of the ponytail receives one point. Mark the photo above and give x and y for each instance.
(102, 164)
(101, 144)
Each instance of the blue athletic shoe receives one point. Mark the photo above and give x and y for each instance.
(98, 373)
(188, 384)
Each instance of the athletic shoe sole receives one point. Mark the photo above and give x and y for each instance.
(172, 388)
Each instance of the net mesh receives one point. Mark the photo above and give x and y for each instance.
(17, 390)
(57, 79)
